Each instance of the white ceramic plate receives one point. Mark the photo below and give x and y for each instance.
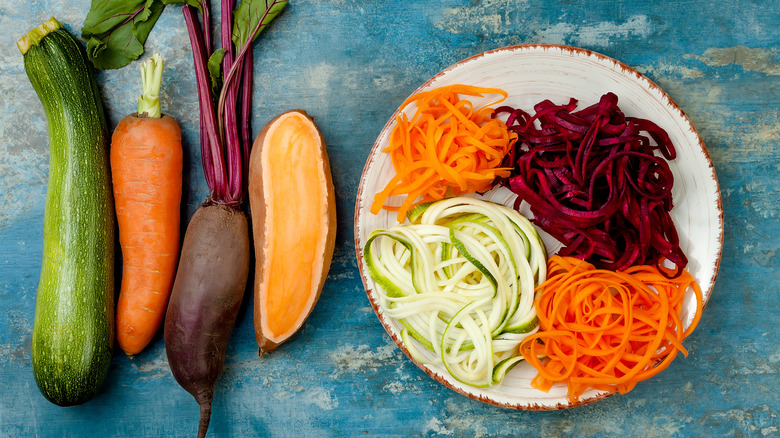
(531, 73)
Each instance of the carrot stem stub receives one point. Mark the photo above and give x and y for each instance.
(151, 80)
(448, 148)
(607, 330)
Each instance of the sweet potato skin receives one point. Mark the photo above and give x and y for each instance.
(206, 298)
(258, 213)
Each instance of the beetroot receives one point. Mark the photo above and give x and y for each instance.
(594, 181)
(205, 300)
(214, 263)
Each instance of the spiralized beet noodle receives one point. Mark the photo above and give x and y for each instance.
(594, 181)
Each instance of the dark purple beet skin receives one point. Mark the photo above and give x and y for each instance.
(205, 300)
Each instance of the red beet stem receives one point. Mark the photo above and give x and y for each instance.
(224, 127)
(211, 144)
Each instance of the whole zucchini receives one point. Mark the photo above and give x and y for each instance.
(73, 332)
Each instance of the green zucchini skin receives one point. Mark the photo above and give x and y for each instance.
(73, 332)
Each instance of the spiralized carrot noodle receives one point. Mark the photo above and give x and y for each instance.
(448, 148)
(607, 330)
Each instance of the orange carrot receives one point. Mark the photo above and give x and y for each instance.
(448, 148)
(146, 165)
(606, 330)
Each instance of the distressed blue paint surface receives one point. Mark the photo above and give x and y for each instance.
(349, 63)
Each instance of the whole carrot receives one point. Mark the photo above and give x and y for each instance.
(146, 163)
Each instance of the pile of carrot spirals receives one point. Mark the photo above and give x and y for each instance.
(607, 330)
(449, 147)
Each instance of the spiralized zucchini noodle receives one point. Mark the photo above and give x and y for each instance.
(460, 280)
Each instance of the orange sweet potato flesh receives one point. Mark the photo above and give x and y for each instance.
(293, 206)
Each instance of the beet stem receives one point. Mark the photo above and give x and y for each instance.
(246, 113)
(206, 23)
(224, 127)
(228, 122)
(211, 149)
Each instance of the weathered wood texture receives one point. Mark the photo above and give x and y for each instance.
(349, 63)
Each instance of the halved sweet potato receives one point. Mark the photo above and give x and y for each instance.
(293, 207)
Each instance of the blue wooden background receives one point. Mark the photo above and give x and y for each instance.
(349, 63)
